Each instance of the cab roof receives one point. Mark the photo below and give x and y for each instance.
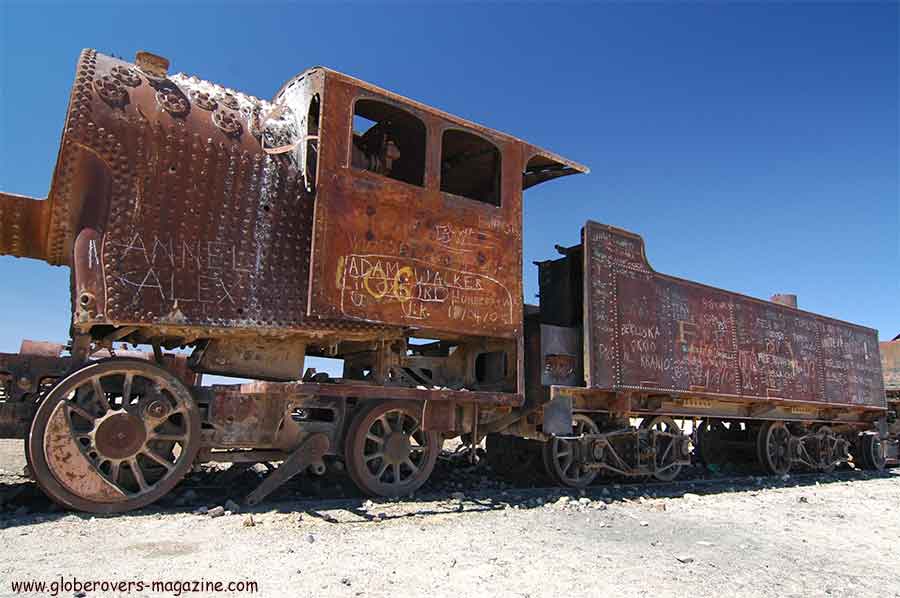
(542, 164)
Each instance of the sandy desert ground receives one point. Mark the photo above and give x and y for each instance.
(808, 535)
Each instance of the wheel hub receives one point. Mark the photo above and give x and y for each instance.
(120, 436)
(397, 447)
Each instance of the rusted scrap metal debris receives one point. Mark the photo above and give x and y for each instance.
(254, 233)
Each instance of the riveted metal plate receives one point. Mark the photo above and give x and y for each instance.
(652, 332)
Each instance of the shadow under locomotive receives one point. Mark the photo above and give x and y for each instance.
(333, 498)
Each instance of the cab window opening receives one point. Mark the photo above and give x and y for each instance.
(389, 141)
(470, 167)
(312, 142)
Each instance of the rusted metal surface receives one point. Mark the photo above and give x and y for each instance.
(407, 255)
(113, 436)
(890, 365)
(71, 467)
(561, 285)
(439, 416)
(656, 333)
(308, 454)
(26, 374)
(560, 352)
(201, 226)
(23, 226)
(186, 209)
(247, 357)
(368, 391)
(786, 299)
(15, 418)
(42, 348)
(262, 417)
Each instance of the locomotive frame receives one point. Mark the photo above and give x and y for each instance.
(343, 220)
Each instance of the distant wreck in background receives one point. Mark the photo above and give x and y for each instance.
(342, 220)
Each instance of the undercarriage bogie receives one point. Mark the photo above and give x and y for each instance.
(118, 433)
(657, 449)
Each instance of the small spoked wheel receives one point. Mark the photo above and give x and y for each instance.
(667, 447)
(559, 456)
(773, 448)
(871, 452)
(113, 436)
(387, 452)
(826, 449)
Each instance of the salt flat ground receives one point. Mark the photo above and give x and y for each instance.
(805, 536)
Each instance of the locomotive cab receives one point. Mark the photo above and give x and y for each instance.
(418, 214)
(416, 230)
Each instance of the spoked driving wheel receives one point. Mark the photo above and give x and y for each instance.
(667, 448)
(387, 452)
(113, 436)
(559, 456)
(773, 448)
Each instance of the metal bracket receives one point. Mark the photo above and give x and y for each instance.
(310, 452)
(558, 416)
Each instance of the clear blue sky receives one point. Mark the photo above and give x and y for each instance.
(755, 147)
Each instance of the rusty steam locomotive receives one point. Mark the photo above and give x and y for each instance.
(342, 220)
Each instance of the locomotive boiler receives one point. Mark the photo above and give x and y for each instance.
(235, 236)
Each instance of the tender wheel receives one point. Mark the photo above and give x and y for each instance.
(773, 448)
(113, 436)
(515, 459)
(827, 456)
(871, 452)
(559, 458)
(709, 448)
(666, 447)
(387, 452)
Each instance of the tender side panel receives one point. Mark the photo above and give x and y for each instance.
(890, 363)
(647, 331)
(851, 365)
(672, 338)
(401, 254)
(777, 351)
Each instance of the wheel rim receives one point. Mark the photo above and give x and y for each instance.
(777, 448)
(395, 449)
(666, 447)
(390, 453)
(113, 436)
(562, 458)
(876, 452)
